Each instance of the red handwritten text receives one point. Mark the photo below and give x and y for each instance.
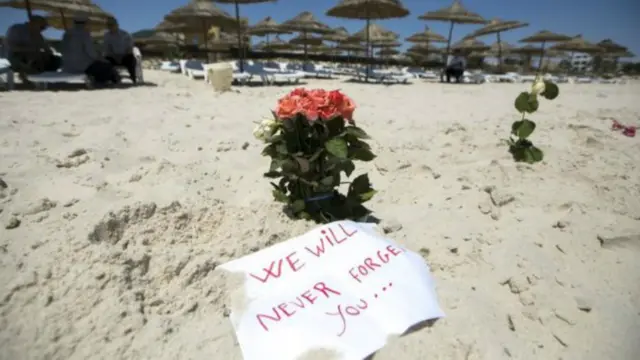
(331, 237)
(305, 299)
(274, 270)
(370, 264)
(348, 310)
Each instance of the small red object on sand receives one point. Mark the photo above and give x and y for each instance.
(629, 131)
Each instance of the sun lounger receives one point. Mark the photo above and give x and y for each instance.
(241, 77)
(170, 66)
(6, 75)
(365, 75)
(43, 80)
(194, 69)
(583, 80)
(315, 71)
(270, 76)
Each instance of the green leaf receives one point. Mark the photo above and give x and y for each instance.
(526, 102)
(334, 126)
(289, 166)
(360, 185)
(361, 154)
(367, 196)
(272, 174)
(348, 167)
(328, 181)
(280, 196)
(297, 206)
(523, 128)
(269, 150)
(275, 164)
(551, 90)
(534, 154)
(303, 164)
(337, 147)
(357, 132)
(281, 148)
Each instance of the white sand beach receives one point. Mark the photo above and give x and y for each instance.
(128, 199)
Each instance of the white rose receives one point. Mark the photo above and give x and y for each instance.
(537, 87)
(269, 122)
(258, 132)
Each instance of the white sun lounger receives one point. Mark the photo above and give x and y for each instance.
(170, 66)
(42, 80)
(6, 75)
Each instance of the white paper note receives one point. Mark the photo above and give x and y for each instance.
(341, 287)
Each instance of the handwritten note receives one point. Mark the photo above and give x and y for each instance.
(341, 286)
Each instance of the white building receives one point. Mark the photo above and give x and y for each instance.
(581, 62)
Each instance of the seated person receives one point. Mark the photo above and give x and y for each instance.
(27, 51)
(456, 67)
(118, 46)
(79, 55)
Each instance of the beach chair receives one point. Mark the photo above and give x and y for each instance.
(363, 74)
(195, 69)
(270, 76)
(240, 77)
(170, 66)
(43, 80)
(311, 69)
(6, 75)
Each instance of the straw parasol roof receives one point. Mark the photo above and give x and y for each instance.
(339, 34)
(501, 46)
(199, 15)
(67, 7)
(62, 21)
(351, 46)
(158, 38)
(611, 46)
(578, 44)
(496, 26)
(374, 33)
(386, 44)
(305, 22)
(424, 49)
(455, 13)
(266, 27)
(426, 36)
(306, 40)
(276, 44)
(368, 9)
(470, 45)
(387, 52)
(545, 36)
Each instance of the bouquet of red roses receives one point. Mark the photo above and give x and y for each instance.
(313, 141)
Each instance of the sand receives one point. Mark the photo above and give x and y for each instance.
(129, 199)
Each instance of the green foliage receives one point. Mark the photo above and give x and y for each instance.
(520, 147)
(308, 163)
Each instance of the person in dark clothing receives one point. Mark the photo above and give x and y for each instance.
(27, 50)
(456, 67)
(79, 55)
(118, 45)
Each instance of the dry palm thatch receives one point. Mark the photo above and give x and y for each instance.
(578, 44)
(454, 14)
(368, 10)
(64, 8)
(426, 36)
(267, 26)
(543, 37)
(339, 34)
(470, 45)
(497, 26)
(306, 40)
(306, 23)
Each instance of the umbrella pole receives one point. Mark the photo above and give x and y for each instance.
(304, 37)
(541, 58)
(28, 6)
(240, 48)
(499, 52)
(366, 76)
(446, 54)
(64, 20)
(205, 38)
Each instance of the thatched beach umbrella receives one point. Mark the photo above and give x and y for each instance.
(578, 44)
(374, 35)
(497, 26)
(199, 16)
(266, 27)
(528, 51)
(276, 44)
(63, 9)
(95, 22)
(542, 37)
(306, 40)
(470, 45)
(368, 10)
(305, 23)
(387, 51)
(454, 14)
(426, 36)
(239, 26)
(338, 35)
